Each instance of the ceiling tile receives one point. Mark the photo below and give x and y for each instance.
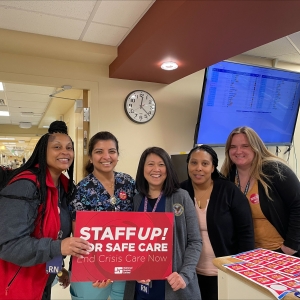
(5, 120)
(40, 23)
(32, 89)
(105, 34)
(27, 97)
(67, 9)
(273, 49)
(17, 120)
(121, 13)
(29, 104)
(295, 37)
(3, 97)
(18, 110)
(291, 58)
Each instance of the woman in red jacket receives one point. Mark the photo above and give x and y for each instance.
(35, 222)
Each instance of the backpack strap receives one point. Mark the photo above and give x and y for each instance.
(25, 175)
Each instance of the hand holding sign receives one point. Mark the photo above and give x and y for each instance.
(100, 284)
(75, 246)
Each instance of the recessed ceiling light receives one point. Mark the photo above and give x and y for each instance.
(6, 139)
(45, 126)
(4, 113)
(1, 86)
(169, 66)
(25, 124)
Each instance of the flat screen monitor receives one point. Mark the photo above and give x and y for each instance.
(236, 94)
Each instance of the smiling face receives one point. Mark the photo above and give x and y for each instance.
(200, 167)
(104, 156)
(155, 171)
(240, 151)
(60, 153)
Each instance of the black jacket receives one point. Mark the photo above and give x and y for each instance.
(229, 220)
(283, 209)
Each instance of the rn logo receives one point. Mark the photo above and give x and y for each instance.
(52, 269)
(145, 288)
(118, 270)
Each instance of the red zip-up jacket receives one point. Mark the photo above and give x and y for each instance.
(29, 282)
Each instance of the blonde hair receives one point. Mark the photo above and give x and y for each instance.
(262, 156)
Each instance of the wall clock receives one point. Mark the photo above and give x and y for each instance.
(139, 106)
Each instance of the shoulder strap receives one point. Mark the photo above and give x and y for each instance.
(25, 175)
(28, 174)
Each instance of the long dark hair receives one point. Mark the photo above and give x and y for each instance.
(39, 157)
(100, 136)
(171, 183)
(4, 175)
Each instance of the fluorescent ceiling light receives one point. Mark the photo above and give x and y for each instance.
(26, 113)
(4, 113)
(6, 139)
(45, 126)
(169, 66)
(1, 86)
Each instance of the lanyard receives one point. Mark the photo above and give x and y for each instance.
(239, 184)
(156, 203)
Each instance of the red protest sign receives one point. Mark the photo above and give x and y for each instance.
(125, 245)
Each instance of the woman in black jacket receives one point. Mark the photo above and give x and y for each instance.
(272, 188)
(223, 212)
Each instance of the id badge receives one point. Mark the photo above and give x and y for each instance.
(54, 265)
(145, 288)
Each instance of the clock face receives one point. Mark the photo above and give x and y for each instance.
(140, 106)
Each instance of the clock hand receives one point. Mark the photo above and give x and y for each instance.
(141, 106)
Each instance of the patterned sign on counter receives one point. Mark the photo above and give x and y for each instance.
(277, 272)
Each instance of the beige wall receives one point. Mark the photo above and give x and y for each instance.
(177, 104)
(172, 127)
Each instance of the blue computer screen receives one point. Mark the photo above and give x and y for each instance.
(235, 94)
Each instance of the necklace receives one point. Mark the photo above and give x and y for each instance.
(203, 195)
(106, 183)
(112, 184)
(238, 183)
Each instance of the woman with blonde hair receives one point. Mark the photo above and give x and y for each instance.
(272, 188)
